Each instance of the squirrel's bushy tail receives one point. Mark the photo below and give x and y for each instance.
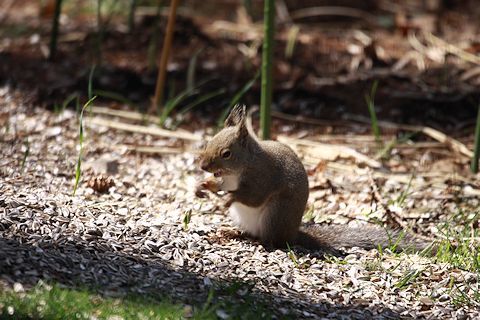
(331, 238)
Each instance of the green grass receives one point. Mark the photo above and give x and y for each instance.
(193, 94)
(409, 278)
(236, 98)
(292, 256)
(53, 302)
(309, 214)
(370, 100)
(238, 303)
(386, 151)
(78, 169)
(187, 217)
(476, 148)
(460, 246)
(404, 194)
(115, 96)
(460, 249)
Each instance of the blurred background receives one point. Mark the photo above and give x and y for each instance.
(327, 56)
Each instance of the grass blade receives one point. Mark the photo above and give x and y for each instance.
(370, 99)
(172, 103)
(68, 100)
(78, 170)
(476, 148)
(90, 82)
(202, 99)
(236, 98)
(131, 15)
(25, 154)
(192, 66)
(114, 96)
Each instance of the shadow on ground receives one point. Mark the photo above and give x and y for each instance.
(115, 274)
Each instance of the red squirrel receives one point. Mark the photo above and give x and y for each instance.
(267, 190)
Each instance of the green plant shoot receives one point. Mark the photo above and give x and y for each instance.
(267, 68)
(78, 170)
(370, 99)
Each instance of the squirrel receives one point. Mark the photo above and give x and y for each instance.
(267, 190)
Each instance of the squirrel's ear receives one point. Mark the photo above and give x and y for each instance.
(236, 116)
(242, 130)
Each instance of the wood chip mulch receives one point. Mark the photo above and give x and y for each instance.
(131, 237)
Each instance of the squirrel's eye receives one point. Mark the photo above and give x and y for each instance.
(226, 154)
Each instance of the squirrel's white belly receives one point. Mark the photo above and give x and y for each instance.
(248, 219)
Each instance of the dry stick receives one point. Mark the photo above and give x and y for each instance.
(377, 198)
(137, 116)
(129, 115)
(282, 12)
(334, 11)
(454, 144)
(392, 217)
(464, 55)
(300, 119)
(154, 131)
(162, 69)
(404, 178)
(124, 114)
(330, 152)
(153, 150)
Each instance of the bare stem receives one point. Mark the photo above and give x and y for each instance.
(167, 44)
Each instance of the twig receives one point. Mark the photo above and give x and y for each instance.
(143, 129)
(130, 115)
(282, 12)
(454, 144)
(410, 56)
(301, 119)
(398, 177)
(448, 47)
(470, 73)
(124, 114)
(393, 218)
(155, 150)
(333, 11)
(329, 151)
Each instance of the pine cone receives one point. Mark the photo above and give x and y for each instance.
(100, 183)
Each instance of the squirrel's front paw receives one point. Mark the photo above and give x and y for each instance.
(229, 201)
(210, 185)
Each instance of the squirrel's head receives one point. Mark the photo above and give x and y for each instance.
(227, 152)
